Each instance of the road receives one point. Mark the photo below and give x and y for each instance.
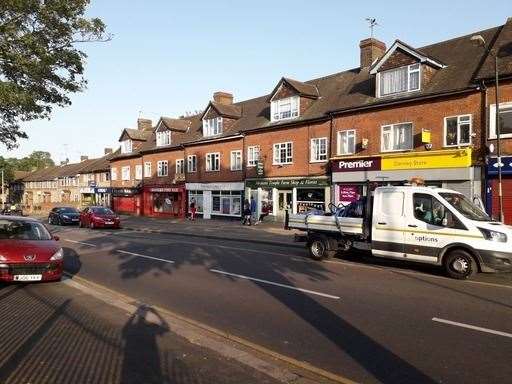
(367, 320)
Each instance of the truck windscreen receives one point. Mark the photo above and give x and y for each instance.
(464, 206)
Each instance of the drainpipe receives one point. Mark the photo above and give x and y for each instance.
(331, 135)
(484, 139)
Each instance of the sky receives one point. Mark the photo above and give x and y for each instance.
(167, 58)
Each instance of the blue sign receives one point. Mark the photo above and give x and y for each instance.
(506, 166)
(102, 190)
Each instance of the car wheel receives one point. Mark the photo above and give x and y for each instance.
(59, 221)
(50, 220)
(460, 265)
(91, 225)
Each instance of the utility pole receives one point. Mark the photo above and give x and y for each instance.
(3, 194)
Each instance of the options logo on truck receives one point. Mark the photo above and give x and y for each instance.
(426, 239)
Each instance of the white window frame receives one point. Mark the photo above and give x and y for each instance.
(180, 165)
(209, 162)
(338, 144)
(191, 160)
(275, 105)
(492, 121)
(393, 137)
(252, 159)
(160, 168)
(138, 172)
(237, 164)
(125, 173)
(147, 169)
(213, 126)
(313, 145)
(279, 147)
(163, 138)
(409, 72)
(113, 174)
(459, 123)
(126, 146)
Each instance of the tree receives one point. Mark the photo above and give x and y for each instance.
(39, 62)
(36, 160)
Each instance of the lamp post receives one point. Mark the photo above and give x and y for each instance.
(480, 41)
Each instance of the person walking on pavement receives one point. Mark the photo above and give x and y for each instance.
(247, 213)
(254, 214)
(192, 209)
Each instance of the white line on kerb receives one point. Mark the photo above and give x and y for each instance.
(145, 256)
(276, 284)
(487, 330)
(79, 242)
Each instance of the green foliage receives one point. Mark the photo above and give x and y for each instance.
(35, 161)
(39, 63)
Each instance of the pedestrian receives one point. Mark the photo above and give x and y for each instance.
(265, 210)
(247, 213)
(192, 209)
(254, 213)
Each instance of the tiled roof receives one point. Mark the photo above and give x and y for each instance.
(225, 110)
(98, 165)
(502, 45)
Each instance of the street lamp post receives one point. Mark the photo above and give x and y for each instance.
(480, 41)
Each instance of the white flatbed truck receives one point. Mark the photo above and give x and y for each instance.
(422, 224)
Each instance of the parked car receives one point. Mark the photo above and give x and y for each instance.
(64, 215)
(28, 252)
(99, 217)
(12, 209)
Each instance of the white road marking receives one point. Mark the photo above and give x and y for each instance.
(276, 284)
(80, 242)
(145, 256)
(487, 330)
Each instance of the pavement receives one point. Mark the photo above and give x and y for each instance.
(55, 333)
(358, 319)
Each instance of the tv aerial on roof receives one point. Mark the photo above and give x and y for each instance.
(372, 21)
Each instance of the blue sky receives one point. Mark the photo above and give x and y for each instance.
(168, 57)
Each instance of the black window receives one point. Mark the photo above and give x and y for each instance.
(431, 211)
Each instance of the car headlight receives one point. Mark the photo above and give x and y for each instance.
(493, 235)
(3, 258)
(59, 255)
(65, 216)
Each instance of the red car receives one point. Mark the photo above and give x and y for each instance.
(99, 217)
(28, 252)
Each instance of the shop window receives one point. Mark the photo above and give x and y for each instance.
(236, 160)
(227, 203)
(253, 155)
(163, 168)
(396, 137)
(212, 162)
(179, 166)
(166, 202)
(283, 153)
(319, 149)
(198, 199)
(457, 130)
(191, 163)
(308, 199)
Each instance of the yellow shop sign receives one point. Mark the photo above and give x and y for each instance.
(450, 158)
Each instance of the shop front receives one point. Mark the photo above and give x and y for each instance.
(103, 196)
(164, 201)
(87, 196)
(451, 168)
(275, 196)
(216, 199)
(492, 188)
(127, 200)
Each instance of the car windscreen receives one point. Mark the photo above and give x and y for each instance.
(68, 210)
(102, 211)
(464, 206)
(22, 230)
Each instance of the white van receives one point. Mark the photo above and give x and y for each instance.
(422, 224)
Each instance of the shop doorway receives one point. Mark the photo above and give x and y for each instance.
(284, 202)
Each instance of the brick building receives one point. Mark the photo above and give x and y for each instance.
(94, 181)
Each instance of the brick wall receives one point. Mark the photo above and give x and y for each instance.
(423, 114)
(171, 157)
(398, 59)
(505, 96)
(119, 164)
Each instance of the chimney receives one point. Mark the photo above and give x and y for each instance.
(371, 50)
(107, 151)
(144, 124)
(223, 98)
(83, 158)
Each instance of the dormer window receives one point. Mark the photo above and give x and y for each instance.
(284, 109)
(399, 80)
(163, 138)
(126, 146)
(212, 127)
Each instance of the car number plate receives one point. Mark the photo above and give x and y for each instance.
(109, 222)
(74, 219)
(28, 277)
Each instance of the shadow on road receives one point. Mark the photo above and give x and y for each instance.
(72, 263)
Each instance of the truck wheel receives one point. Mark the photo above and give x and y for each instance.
(460, 265)
(318, 249)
